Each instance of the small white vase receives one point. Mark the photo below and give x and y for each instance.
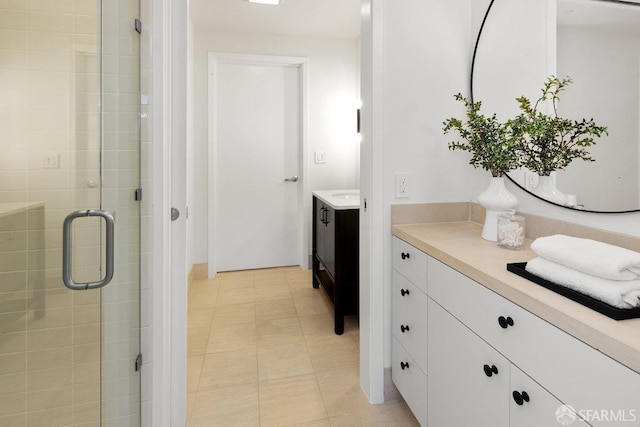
(547, 190)
(496, 199)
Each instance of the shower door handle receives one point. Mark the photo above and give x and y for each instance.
(66, 249)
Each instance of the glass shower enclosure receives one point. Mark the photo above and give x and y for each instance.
(69, 215)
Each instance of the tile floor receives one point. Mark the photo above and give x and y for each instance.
(262, 352)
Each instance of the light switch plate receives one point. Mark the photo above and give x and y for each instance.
(321, 157)
(50, 161)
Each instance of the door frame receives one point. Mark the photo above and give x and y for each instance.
(304, 205)
(164, 343)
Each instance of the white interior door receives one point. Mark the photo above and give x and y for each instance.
(257, 132)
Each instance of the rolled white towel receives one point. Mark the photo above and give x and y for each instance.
(589, 256)
(618, 293)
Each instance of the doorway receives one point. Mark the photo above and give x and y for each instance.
(256, 175)
(70, 143)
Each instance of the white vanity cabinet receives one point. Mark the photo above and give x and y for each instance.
(460, 392)
(409, 326)
(490, 362)
(470, 383)
(572, 371)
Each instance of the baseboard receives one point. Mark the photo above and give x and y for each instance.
(198, 272)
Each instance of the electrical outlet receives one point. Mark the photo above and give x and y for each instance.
(402, 185)
(530, 180)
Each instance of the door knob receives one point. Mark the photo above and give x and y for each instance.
(292, 179)
(404, 365)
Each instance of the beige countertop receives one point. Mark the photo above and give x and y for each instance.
(459, 245)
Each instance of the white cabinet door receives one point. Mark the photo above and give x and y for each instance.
(460, 393)
(533, 406)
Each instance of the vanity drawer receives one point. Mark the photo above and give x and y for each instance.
(409, 324)
(572, 371)
(410, 381)
(410, 262)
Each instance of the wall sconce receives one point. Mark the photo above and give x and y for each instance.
(358, 120)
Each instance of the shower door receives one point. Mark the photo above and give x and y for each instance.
(69, 150)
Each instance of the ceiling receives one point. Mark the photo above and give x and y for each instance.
(318, 18)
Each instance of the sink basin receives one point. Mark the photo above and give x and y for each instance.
(347, 196)
(340, 199)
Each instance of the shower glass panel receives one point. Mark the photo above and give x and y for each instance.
(69, 141)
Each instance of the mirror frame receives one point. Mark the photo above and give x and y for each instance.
(473, 62)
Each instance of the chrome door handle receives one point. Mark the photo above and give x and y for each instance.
(66, 249)
(292, 179)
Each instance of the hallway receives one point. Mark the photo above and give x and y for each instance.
(262, 352)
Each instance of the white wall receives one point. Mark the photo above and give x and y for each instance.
(333, 95)
(425, 51)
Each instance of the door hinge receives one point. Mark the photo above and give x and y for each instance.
(138, 194)
(138, 362)
(137, 24)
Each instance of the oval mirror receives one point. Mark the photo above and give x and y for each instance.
(597, 44)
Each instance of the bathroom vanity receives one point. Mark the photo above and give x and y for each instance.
(335, 250)
(473, 344)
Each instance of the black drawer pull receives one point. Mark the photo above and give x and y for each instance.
(404, 292)
(520, 398)
(405, 365)
(490, 370)
(505, 322)
(405, 255)
(404, 328)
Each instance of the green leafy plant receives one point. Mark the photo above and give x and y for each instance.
(547, 142)
(490, 142)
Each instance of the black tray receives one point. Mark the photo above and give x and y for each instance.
(594, 304)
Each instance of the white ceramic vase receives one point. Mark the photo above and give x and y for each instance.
(547, 190)
(496, 199)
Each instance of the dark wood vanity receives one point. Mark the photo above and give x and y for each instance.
(335, 257)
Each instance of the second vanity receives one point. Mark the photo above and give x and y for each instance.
(475, 345)
(335, 256)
